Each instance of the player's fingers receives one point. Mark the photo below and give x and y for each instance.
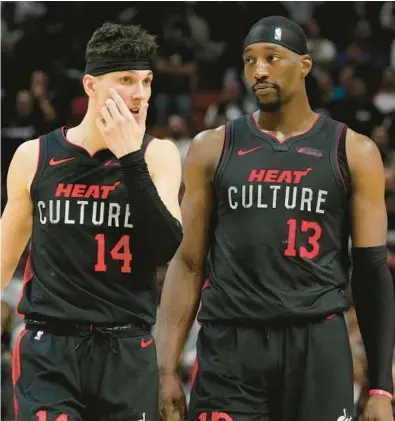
(141, 117)
(182, 407)
(167, 412)
(101, 125)
(182, 411)
(114, 111)
(122, 107)
(106, 116)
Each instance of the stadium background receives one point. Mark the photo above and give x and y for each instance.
(198, 84)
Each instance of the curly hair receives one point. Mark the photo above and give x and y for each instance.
(116, 40)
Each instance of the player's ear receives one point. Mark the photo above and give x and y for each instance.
(89, 83)
(306, 64)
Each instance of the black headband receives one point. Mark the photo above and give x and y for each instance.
(278, 30)
(100, 65)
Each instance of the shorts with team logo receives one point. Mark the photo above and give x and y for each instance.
(295, 373)
(94, 374)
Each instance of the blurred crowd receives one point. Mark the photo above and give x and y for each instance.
(198, 84)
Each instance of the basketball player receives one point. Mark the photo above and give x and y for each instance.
(269, 195)
(100, 203)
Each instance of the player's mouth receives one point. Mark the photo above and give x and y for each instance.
(134, 110)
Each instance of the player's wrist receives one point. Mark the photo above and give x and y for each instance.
(380, 392)
(167, 371)
(130, 159)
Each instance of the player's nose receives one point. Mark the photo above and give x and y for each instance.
(261, 70)
(138, 91)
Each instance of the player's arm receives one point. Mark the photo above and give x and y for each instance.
(157, 228)
(182, 286)
(164, 161)
(372, 284)
(16, 222)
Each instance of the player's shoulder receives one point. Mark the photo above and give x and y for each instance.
(28, 151)
(24, 164)
(163, 149)
(359, 144)
(362, 153)
(210, 139)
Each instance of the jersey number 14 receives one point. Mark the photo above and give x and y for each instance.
(121, 251)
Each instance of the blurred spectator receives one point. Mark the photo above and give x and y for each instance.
(385, 98)
(380, 138)
(322, 51)
(392, 55)
(179, 134)
(353, 55)
(345, 79)
(229, 107)
(20, 126)
(326, 88)
(363, 35)
(42, 96)
(387, 15)
(356, 110)
(175, 74)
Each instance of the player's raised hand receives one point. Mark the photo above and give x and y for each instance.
(122, 131)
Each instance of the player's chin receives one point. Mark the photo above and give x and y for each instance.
(269, 106)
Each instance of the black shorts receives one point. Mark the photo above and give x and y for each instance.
(302, 373)
(90, 376)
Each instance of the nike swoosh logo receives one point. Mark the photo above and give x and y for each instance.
(242, 152)
(144, 343)
(53, 161)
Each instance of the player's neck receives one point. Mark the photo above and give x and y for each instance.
(294, 116)
(87, 134)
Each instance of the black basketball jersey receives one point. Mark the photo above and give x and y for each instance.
(279, 244)
(84, 265)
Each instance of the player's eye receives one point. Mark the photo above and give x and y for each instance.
(272, 58)
(248, 60)
(126, 79)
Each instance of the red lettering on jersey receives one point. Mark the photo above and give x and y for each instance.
(300, 174)
(63, 190)
(79, 190)
(277, 176)
(106, 190)
(271, 176)
(93, 191)
(256, 175)
(285, 177)
(82, 190)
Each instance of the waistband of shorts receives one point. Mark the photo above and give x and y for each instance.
(290, 322)
(74, 329)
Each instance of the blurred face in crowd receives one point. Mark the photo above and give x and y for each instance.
(363, 29)
(313, 30)
(326, 83)
(39, 78)
(358, 89)
(380, 137)
(24, 103)
(275, 74)
(133, 86)
(231, 92)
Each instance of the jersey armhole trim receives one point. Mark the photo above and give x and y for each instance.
(40, 166)
(341, 136)
(224, 157)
